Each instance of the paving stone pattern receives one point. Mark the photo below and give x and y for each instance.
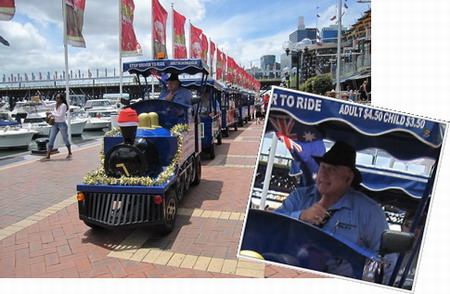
(41, 235)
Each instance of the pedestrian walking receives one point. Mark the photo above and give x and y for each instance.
(60, 124)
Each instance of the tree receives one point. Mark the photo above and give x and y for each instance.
(319, 84)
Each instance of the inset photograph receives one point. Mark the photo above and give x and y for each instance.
(342, 188)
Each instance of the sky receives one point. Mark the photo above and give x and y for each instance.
(245, 30)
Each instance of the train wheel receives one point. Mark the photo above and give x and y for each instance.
(188, 176)
(211, 151)
(226, 132)
(180, 188)
(198, 172)
(170, 213)
(219, 139)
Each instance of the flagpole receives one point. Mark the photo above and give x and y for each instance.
(173, 32)
(338, 55)
(66, 64)
(120, 50)
(210, 59)
(152, 51)
(268, 175)
(190, 44)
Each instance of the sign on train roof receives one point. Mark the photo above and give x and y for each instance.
(403, 136)
(178, 66)
(199, 82)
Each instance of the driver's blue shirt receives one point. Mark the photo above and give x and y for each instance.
(356, 217)
(182, 95)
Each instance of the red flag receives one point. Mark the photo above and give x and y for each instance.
(204, 49)
(74, 22)
(229, 69)
(219, 65)
(159, 30)
(179, 37)
(7, 9)
(196, 43)
(212, 51)
(130, 45)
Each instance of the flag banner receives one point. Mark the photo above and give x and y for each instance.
(302, 141)
(231, 70)
(4, 41)
(159, 16)
(196, 43)
(219, 65)
(179, 37)
(7, 9)
(212, 52)
(74, 22)
(205, 49)
(129, 44)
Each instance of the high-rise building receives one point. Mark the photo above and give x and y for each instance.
(267, 62)
(268, 65)
(299, 35)
(330, 34)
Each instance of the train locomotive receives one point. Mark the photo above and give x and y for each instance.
(147, 167)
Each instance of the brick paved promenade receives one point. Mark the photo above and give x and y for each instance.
(41, 235)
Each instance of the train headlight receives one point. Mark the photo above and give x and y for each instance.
(157, 199)
(80, 196)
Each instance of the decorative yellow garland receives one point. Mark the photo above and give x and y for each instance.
(99, 177)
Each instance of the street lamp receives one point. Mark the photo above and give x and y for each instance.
(298, 47)
(285, 72)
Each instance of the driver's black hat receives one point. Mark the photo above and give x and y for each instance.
(342, 154)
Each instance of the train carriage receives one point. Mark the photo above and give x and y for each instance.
(209, 94)
(398, 156)
(230, 113)
(241, 105)
(150, 163)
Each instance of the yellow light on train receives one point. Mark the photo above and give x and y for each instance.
(145, 121)
(80, 196)
(251, 253)
(154, 118)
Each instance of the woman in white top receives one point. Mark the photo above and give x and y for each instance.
(59, 113)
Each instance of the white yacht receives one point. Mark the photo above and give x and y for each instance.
(98, 113)
(12, 135)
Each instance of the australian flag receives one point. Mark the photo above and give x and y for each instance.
(303, 142)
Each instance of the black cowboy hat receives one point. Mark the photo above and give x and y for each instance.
(174, 77)
(342, 154)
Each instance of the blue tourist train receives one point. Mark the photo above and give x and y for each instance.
(148, 167)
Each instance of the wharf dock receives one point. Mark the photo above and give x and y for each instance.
(41, 235)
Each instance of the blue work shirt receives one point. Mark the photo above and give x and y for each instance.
(182, 95)
(357, 218)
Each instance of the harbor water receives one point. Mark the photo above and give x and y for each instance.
(86, 136)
